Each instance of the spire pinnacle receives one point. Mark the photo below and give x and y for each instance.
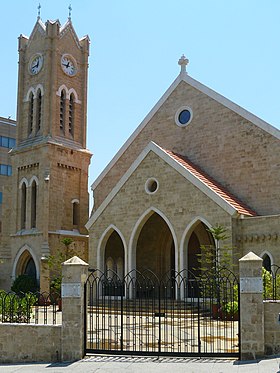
(183, 62)
(70, 10)
(39, 11)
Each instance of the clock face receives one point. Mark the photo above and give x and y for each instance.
(68, 65)
(36, 64)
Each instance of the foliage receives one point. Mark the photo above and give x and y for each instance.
(230, 308)
(216, 265)
(271, 285)
(55, 264)
(214, 258)
(25, 284)
(15, 307)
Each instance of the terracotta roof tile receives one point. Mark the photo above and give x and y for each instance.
(212, 184)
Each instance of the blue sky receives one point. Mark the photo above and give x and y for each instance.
(233, 47)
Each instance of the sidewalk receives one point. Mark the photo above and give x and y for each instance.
(129, 364)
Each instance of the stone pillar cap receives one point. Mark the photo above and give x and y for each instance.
(75, 260)
(251, 256)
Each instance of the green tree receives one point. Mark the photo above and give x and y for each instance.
(55, 264)
(217, 263)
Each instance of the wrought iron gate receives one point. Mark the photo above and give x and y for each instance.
(179, 315)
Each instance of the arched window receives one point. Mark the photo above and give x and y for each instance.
(33, 204)
(39, 111)
(76, 213)
(267, 262)
(30, 113)
(23, 206)
(71, 114)
(62, 111)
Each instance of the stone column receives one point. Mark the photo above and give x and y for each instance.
(251, 307)
(74, 272)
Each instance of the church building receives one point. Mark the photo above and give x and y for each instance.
(47, 196)
(196, 161)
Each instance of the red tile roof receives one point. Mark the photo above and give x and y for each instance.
(212, 184)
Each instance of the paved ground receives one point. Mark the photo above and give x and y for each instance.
(128, 364)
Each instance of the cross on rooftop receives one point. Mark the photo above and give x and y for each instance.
(183, 62)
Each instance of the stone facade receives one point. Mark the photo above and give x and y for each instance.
(230, 146)
(48, 193)
(179, 209)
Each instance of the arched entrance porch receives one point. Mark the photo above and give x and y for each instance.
(114, 255)
(197, 235)
(155, 249)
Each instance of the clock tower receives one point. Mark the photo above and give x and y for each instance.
(48, 195)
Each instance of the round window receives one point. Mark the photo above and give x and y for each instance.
(151, 186)
(183, 116)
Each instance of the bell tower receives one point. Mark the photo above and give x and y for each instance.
(49, 184)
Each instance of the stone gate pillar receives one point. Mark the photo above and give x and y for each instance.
(251, 307)
(74, 272)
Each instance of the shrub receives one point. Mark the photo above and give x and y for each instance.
(15, 308)
(230, 308)
(25, 284)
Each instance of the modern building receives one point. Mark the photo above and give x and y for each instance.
(7, 142)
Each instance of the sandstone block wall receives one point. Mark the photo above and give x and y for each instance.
(272, 327)
(177, 199)
(28, 343)
(225, 145)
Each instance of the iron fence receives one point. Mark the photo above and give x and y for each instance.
(30, 308)
(271, 283)
(178, 314)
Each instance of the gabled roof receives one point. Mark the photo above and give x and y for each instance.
(188, 170)
(240, 207)
(183, 76)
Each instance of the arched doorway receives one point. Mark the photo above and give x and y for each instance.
(26, 265)
(155, 250)
(114, 265)
(114, 255)
(199, 236)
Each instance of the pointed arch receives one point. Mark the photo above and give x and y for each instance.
(136, 232)
(186, 237)
(21, 260)
(39, 102)
(71, 119)
(102, 246)
(75, 96)
(23, 201)
(27, 97)
(34, 178)
(267, 260)
(23, 181)
(75, 212)
(30, 113)
(62, 88)
(39, 89)
(34, 197)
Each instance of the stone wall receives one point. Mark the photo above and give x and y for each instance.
(177, 199)
(223, 143)
(27, 343)
(271, 327)
(36, 343)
